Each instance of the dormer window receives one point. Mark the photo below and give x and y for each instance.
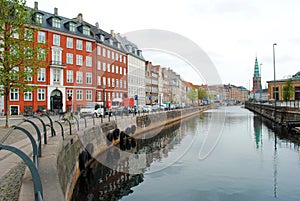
(72, 27)
(56, 22)
(38, 18)
(119, 45)
(101, 38)
(86, 30)
(111, 42)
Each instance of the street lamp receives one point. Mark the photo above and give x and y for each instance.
(274, 91)
(104, 105)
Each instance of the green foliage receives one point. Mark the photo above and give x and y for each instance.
(19, 59)
(287, 90)
(201, 93)
(192, 94)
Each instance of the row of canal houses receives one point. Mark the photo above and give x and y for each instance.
(87, 64)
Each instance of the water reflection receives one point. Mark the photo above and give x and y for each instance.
(98, 182)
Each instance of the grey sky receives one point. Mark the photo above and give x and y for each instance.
(231, 32)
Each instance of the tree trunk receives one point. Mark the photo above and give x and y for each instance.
(6, 98)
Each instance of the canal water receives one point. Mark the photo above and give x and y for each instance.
(250, 160)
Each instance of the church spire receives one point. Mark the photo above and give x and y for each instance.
(256, 69)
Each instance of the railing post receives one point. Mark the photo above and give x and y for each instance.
(67, 120)
(37, 184)
(62, 129)
(44, 128)
(76, 122)
(51, 124)
(38, 136)
(33, 143)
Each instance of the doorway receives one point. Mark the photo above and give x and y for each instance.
(56, 103)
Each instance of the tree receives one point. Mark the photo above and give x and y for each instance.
(20, 57)
(201, 93)
(287, 90)
(192, 94)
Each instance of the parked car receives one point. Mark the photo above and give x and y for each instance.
(95, 111)
(155, 107)
(147, 108)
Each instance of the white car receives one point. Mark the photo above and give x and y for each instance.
(90, 111)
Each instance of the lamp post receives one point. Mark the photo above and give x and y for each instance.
(274, 91)
(104, 104)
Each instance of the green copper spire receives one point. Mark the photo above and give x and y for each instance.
(256, 69)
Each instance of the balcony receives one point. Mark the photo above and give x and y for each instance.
(57, 64)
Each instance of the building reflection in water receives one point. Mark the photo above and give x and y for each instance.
(99, 182)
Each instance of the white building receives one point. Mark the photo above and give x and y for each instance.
(136, 70)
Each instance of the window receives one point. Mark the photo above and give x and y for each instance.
(79, 44)
(124, 60)
(88, 46)
(69, 42)
(101, 38)
(99, 65)
(70, 93)
(56, 56)
(28, 34)
(38, 18)
(89, 78)
(99, 97)
(41, 94)
(79, 77)
(98, 80)
(79, 95)
(14, 32)
(56, 39)
(14, 73)
(72, 27)
(88, 61)
(117, 69)
(14, 94)
(108, 81)
(121, 70)
(28, 52)
(125, 84)
(104, 52)
(89, 95)
(112, 82)
(69, 76)
(41, 54)
(108, 54)
(86, 30)
(121, 58)
(28, 74)
(121, 84)
(112, 55)
(69, 58)
(79, 60)
(41, 37)
(104, 80)
(117, 83)
(98, 50)
(108, 67)
(56, 75)
(112, 68)
(27, 96)
(42, 75)
(56, 23)
(117, 56)
(104, 66)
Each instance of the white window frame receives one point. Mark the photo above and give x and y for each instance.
(70, 42)
(79, 77)
(89, 78)
(41, 77)
(88, 94)
(88, 46)
(78, 60)
(70, 58)
(27, 95)
(41, 37)
(14, 94)
(41, 94)
(79, 94)
(56, 23)
(70, 76)
(56, 39)
(79, 44)
(89, 61)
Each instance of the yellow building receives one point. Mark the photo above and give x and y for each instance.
(279, 88)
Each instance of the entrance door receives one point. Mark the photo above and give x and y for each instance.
(56, 103)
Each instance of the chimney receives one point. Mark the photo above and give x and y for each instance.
(97, 25)
(56, 11)
(79, 16)
(112, 33)
(36, 5)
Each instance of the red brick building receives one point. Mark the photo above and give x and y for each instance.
(83, 62)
